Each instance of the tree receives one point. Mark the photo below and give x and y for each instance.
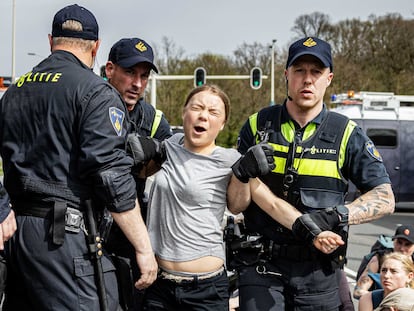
(316, 24)
(372, 55)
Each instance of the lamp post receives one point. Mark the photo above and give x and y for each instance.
(272, 74)
(13, 73)
(34, 54)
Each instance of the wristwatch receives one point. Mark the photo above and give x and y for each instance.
(343, 213)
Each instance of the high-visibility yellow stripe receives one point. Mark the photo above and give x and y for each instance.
(288, 131)
(348, 131)
(317, 167)
(309, 167)
(310, 129)
(280, 148)
(156, 123)
(253, 123)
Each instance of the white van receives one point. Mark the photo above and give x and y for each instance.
(388, 120)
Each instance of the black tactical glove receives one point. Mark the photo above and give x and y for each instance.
(308, 226)
(142, 149)
(304, 228)
(257, 161)
(330, 218)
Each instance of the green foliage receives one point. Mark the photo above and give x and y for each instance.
(372, 55)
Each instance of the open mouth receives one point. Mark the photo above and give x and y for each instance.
(199, 129)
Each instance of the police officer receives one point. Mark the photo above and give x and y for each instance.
(63, 134)
(128, 69)
(316, 153)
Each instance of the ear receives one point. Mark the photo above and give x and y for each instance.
(96, 48)
(109, 67)
(329, 80)
(50, 41)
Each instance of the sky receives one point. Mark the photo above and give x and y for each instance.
(196, 27)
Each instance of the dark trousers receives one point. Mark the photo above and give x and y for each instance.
(119, 245)
(202, 295)
(288, 285)
(3, 274)
(44, 276)
(345, 294)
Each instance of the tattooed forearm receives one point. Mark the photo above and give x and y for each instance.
(372, 205)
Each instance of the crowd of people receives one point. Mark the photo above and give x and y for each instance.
(80, 233)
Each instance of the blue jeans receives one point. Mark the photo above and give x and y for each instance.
(199, 295)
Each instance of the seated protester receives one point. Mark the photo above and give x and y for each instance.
(403, 243)
(397, 271)
(401, 299)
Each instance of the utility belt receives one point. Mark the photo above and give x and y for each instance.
(62, 218)
(267, 250)
(296, 253)
(302, 253)
(181, 277)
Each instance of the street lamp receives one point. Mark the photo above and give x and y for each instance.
(34, 54)
(13, 73)
(272, 75)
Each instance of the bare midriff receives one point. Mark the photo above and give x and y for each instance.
(200, 265)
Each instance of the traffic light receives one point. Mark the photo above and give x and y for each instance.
(199, 76)
(256, 78)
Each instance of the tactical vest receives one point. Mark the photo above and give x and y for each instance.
(147, 121)
(308, 166)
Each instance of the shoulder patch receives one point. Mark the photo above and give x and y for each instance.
(116, 116)
(372, 150)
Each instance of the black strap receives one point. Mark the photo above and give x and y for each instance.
(58, 224)
(55, 211)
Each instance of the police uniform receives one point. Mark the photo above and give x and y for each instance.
(63, 134)
(4, 212)
(313, 166)
(148, 122)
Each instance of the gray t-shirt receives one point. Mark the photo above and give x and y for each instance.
(187, 202)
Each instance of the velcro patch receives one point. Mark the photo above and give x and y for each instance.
(373, 151)
(116, 117)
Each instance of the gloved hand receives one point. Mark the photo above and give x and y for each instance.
(304, 228)
(257, 161)
(331, 218)
(142, 149)
(308, 226)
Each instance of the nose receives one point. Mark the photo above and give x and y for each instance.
(307, 79)
(137, 81)
(203, 114)
(386, 274)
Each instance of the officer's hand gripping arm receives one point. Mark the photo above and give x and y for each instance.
(330, 218)
(142, 149)
(304, 228)
(257, 161)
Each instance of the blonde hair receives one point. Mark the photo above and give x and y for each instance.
(214, 89)
(84, 45)
(406, 261)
